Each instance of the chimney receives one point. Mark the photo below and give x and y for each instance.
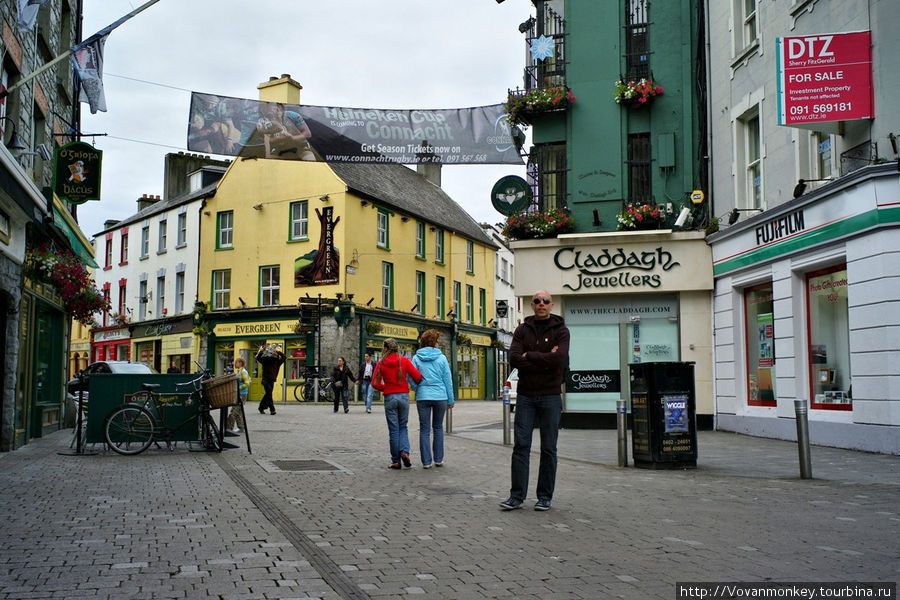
(430, 171)
(108, 224)
(280, 89)
(144, 201)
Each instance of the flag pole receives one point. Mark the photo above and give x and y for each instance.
(68, 53)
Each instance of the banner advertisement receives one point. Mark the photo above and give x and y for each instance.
(250, 128)
(824, 77)
(321, 266)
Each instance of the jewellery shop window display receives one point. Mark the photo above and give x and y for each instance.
(759, 329)
(829, 339)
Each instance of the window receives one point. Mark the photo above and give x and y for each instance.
(163, 234)
(160, 296)
(470, 257)
(420, 292)
(745, 25)
(221, 289)
(108, 253)
(470, 304)
(637, 47)
(122, 296)
(639, 189)
(503, 269)
(387, 285)
(225, 230)
(439, 246)
(179, 293)
(457, 298)
(759, 327)
(382, 239)
(142, 300)
(106, 299)
(748, 180)
(547, 174)
(420, 240)
(269, 283)
(439, 297)
(482, 306)
(823, 155)
(123, 251)
(145, 241)
(829, 339)
(299, 221)
(181, 241)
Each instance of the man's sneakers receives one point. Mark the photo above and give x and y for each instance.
(542, 505)
(511, 504)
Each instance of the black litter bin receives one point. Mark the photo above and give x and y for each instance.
(663, 409)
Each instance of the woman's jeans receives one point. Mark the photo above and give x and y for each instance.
(431, 417)
(547, 410)
(396, 411)
(339, 394)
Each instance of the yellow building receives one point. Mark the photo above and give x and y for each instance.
(382, 243)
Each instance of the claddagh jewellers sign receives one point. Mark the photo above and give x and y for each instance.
(615, 267)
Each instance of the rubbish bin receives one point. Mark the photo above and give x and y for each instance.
(663, 410)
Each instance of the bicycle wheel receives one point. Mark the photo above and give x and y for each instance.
(129, 430)
(209, 432)
(300, 392)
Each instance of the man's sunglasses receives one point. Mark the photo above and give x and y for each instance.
(541, 300)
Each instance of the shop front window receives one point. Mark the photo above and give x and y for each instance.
(224, 358)
(829, 339)
(759, 328)
(296, 360)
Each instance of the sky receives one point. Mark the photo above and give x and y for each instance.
(390, 54)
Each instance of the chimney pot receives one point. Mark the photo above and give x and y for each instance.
(273, 78)
(285, 75)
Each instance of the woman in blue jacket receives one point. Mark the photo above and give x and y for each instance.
(434, 396)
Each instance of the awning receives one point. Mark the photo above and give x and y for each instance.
(78, 247)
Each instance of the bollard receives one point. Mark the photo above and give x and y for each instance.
(449, 426)
(621, 413)
(802, 417)
(506, 411)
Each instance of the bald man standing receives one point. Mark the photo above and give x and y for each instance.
(540, 350)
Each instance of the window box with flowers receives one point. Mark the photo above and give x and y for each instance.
(65, 272)
(522, 105)
(636, 93)
(639, 216)
(538, 225)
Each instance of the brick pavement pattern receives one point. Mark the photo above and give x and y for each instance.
(237, 526)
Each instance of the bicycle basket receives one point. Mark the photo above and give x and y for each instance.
(221, 391)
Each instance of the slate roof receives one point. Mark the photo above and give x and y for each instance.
(162, 206)
(403, 189)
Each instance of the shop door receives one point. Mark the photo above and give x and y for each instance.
(47, 374)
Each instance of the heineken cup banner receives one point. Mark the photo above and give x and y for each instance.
(249, 128)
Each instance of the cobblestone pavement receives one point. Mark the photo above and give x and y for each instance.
(313, 512)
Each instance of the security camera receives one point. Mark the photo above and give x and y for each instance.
(682, 217)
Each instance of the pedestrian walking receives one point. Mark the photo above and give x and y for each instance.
(236, 414)
(271, 360)
(434, 397)
(540, 350)
(366, 370)
(341, 376)
(389, 378)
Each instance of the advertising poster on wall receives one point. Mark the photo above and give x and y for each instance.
(824, 77)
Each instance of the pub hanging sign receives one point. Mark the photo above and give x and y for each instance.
(76, 172)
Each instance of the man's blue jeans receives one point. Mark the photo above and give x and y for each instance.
(547, 410)
(367, 392)
(396, 411)
(431, 418)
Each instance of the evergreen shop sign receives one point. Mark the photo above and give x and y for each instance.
(76, 172)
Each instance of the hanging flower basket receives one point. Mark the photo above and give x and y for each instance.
(68, 276)
(538, 225)
(520, 106)
(636, 93)
(639, 216)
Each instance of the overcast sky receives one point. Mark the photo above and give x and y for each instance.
(349, 53)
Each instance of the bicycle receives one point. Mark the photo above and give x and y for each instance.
(306, 391)
(130, 429)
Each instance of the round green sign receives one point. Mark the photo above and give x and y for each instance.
(511, 194)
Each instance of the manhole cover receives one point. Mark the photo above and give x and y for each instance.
(301, 466)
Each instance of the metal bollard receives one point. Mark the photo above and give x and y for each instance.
(449, 426)
(506, 413)
(621, 413)
(802, 416)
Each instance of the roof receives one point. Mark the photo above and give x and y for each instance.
(162, 206)
(399, 187)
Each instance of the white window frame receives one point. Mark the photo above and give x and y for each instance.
(470, 256)
(163, 236)
(420, 291)
(145, 241)
(142, 300)
(225, 230)
(160, 295)
(299, 223)
(387, 291)
(420, 239)
(439, 246)
(179, 293)
(269, 295)
(382, 230)
(744, 166)
(440, 285)
(221, 293)
(182, 231)
(470, 304)
(745, 24)
(457, 292)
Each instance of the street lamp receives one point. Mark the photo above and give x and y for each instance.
(344, 310)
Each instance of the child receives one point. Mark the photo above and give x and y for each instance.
(236, 415)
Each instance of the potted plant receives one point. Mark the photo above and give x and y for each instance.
(638, 216)
(65, 272)
(536, 225)
(636, 93)
(520, 105)
(373, 327)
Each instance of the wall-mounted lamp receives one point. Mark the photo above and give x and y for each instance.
(243, 304)
(371, 300)
(15, 145)
(415, 307)
(450, 314)
(344, 311)
(324, 198)
(735, 213)
(404, 218)
(523, 27)
(257, 206)
(432, 228)
(363, 203)
(800, 188)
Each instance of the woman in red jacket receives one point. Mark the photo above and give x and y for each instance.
(390, 379)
